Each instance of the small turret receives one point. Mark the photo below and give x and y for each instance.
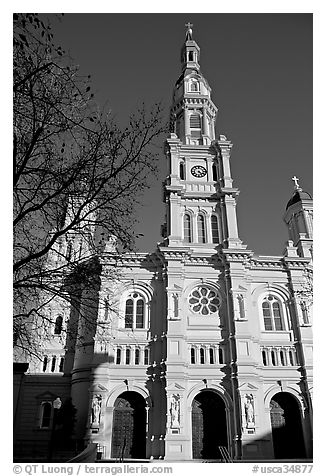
(299, 220)
(190, 52)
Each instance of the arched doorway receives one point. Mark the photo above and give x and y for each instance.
(129, 426)
(286, 427)
(209, 427)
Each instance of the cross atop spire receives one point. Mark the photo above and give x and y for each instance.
(189, 31)
(296, 182)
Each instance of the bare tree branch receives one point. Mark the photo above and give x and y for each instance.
(76, 174)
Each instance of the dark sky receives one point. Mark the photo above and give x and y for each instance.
(259, 67)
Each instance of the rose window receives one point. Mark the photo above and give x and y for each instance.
(204, 301)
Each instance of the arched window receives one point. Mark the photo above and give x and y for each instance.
(146, 356)
(127, 356)
(220, 356)
(192, 355)
(282, 357)
(201, 229)
(129, 314)
(118, 356)
(54, 360)
(182, 170)
(46, 410)
(211, 356)
(264, 357)
(214, 168)
(69, 251)
(45, 363)
(273, 357)
(61, 364)
(214, 223)
(58, 325)
(291, 357)
(136, 356)
(202, 355)
(194, 86)
(272, 314)
(187, 228)
(140, 314)
(135, 312)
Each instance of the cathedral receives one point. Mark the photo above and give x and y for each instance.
(201, 350)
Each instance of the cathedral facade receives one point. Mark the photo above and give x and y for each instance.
(198, 351)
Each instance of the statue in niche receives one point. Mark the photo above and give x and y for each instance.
(175, 305)
(96, 410)
(305, 309)
(175, 411)
(240, 299)
(111, 244)
(249, 411)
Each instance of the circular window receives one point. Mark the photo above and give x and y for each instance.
(204, 301)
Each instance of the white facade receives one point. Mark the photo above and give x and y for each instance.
(202, 346)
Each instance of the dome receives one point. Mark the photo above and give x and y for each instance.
(298, 196)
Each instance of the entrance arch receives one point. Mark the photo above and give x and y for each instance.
(129, 426)
(209, 426)
(286, 426)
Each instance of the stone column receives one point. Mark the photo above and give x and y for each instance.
(205, 127)
(187, 124)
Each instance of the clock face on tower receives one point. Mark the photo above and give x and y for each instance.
(198, 171)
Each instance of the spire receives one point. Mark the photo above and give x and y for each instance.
(190, 52)
(189, 31)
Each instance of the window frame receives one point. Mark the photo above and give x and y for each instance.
(137, 356)
(182, 171)
(211, 356)
(214, 172)
(134, 298)
(42, 406)
(194, 83)
(118, 355)
(216, 238)
(211, 295)
(188, 215)
(147, 355)
(268, 312)
(196, 132)
(128, 356)
(193, 355)
(58, 325)
(201, 221)
(202, 360)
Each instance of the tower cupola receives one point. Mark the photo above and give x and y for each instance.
(193, 113)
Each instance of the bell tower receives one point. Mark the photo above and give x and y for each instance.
(198, 191)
